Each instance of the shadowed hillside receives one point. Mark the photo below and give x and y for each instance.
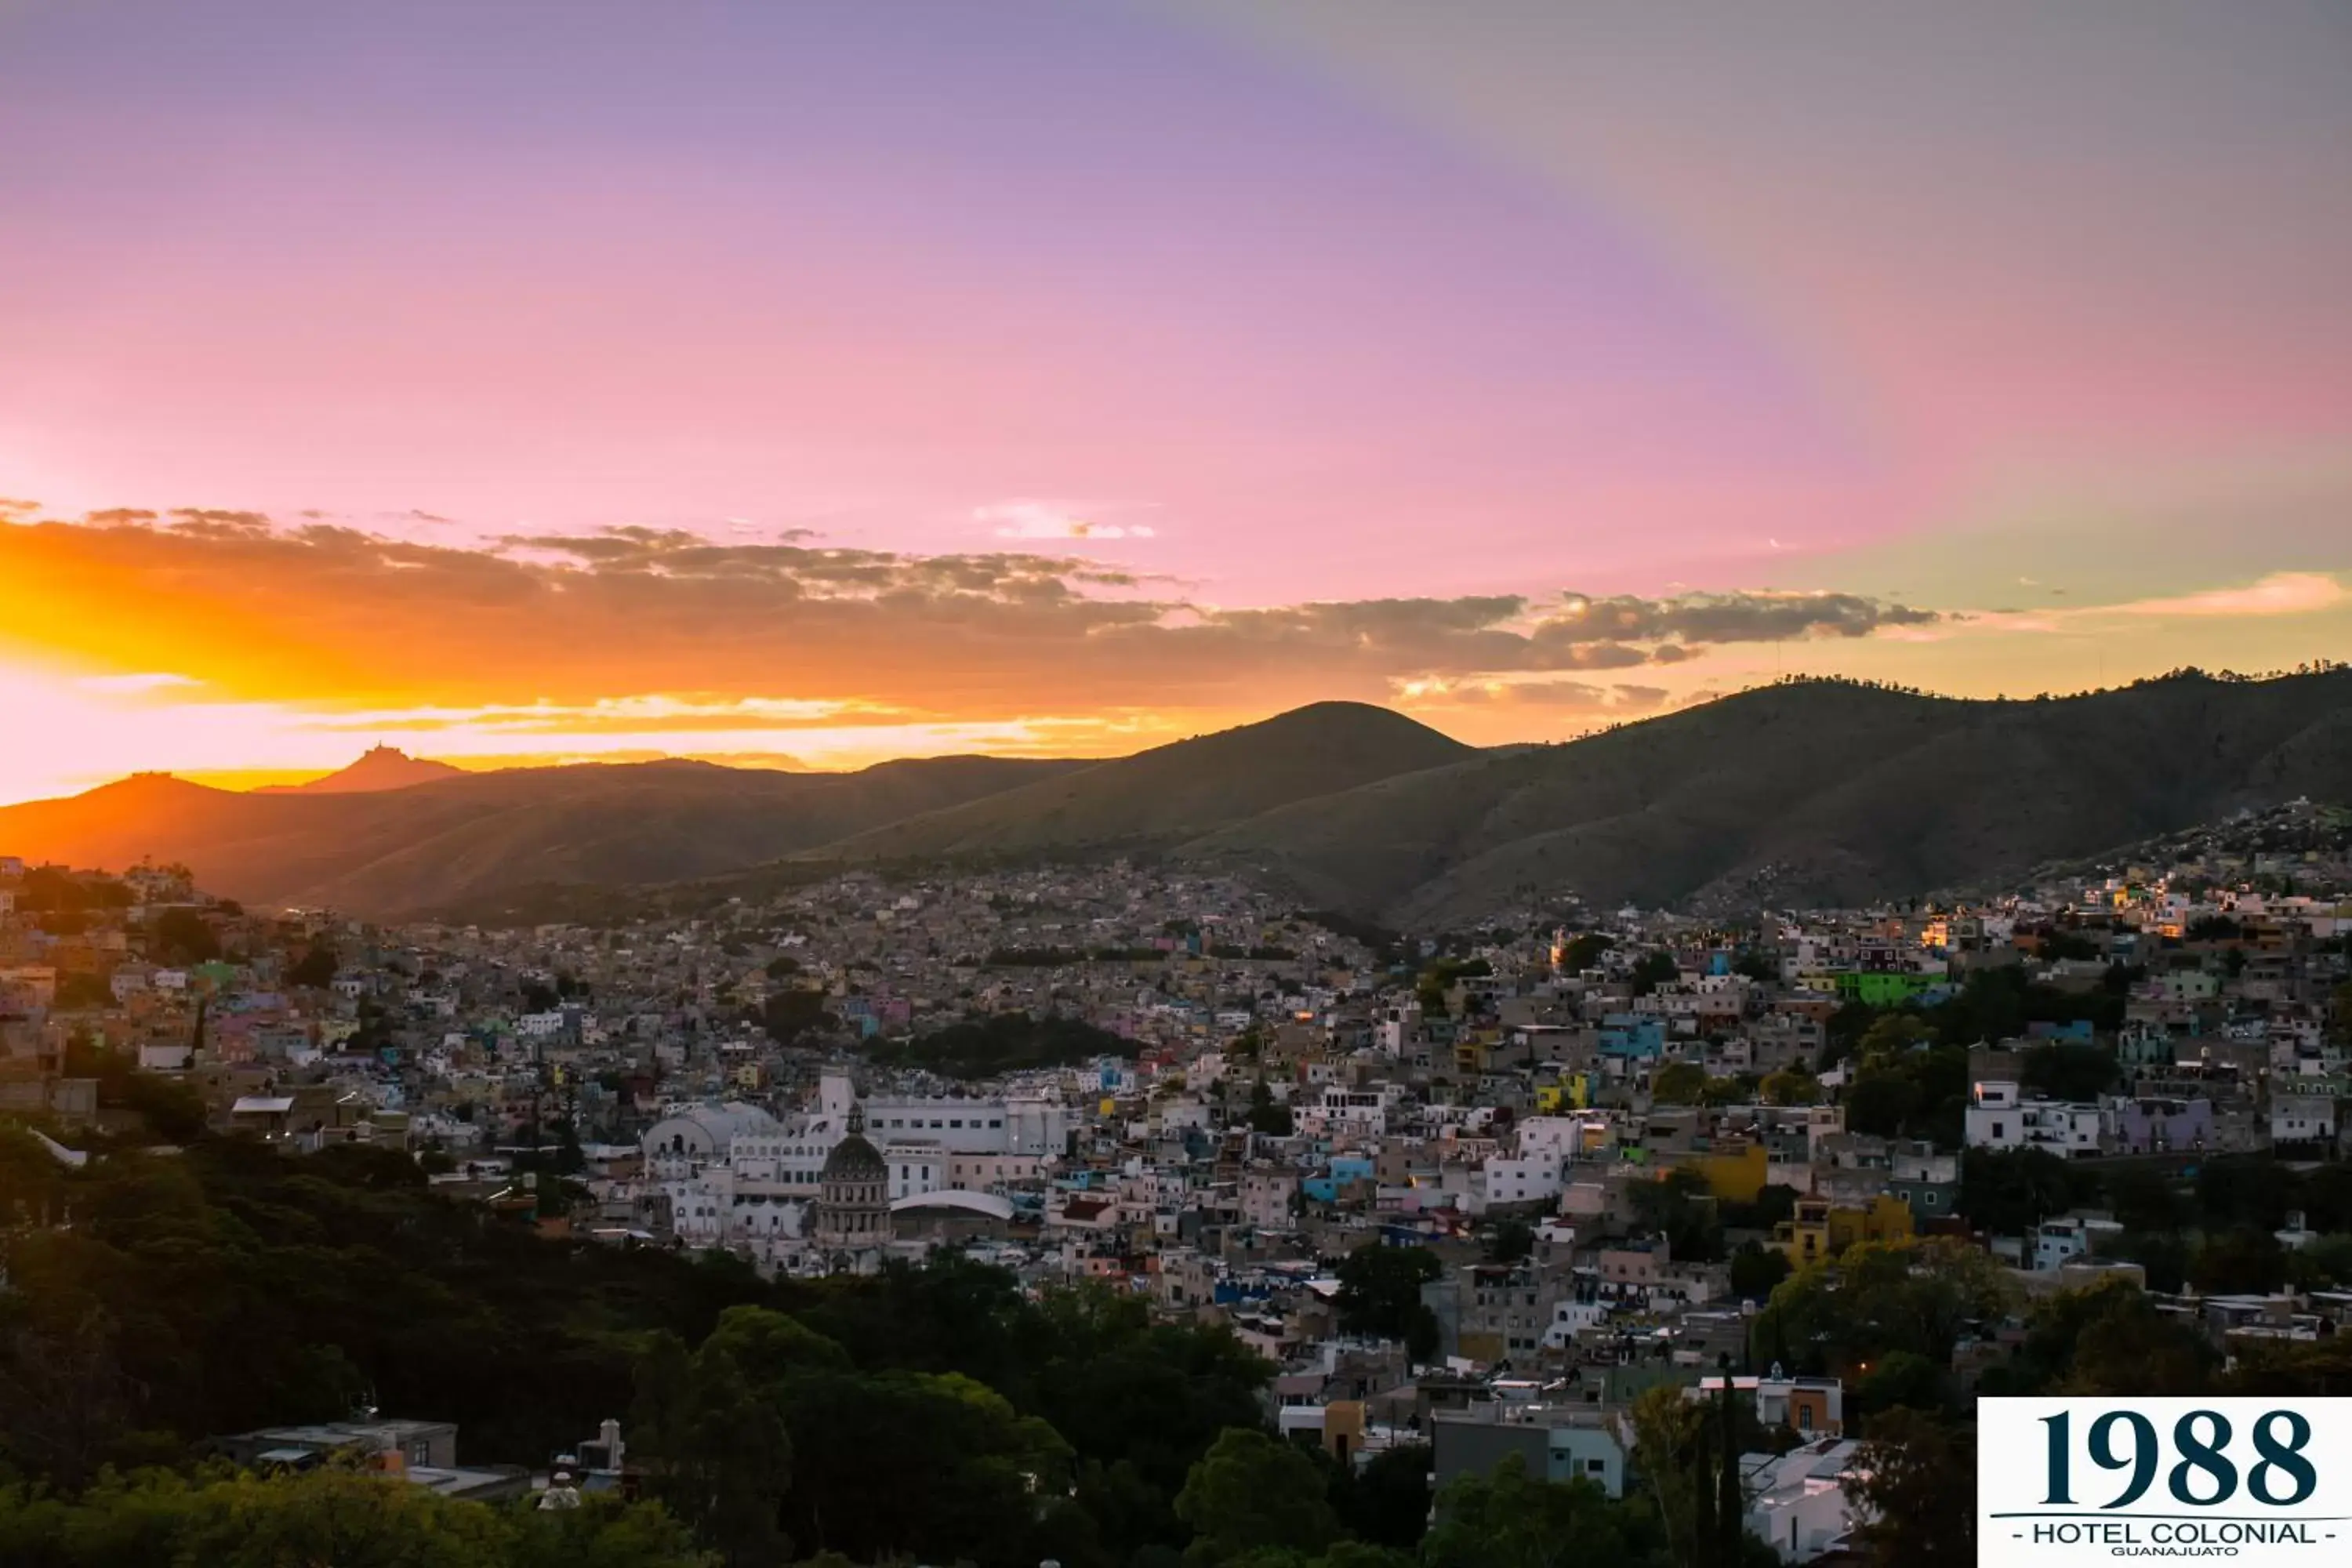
(1810, 794)
(1171, 793)
(386, 853)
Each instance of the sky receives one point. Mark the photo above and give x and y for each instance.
(808, 384)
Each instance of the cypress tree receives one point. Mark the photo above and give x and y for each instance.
(1703, 1488)
(1729, 1508)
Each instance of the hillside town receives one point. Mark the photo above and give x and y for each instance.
(1482, 1191)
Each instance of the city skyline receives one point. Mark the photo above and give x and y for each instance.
(839, 384)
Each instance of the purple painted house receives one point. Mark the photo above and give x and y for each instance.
(2155, 1126)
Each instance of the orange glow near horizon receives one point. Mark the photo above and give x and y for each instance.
(241, 718)
(90, 730)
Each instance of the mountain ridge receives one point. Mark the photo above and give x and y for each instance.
(1799, 794)
(1168, 794)
(1815, 792)
(378, 768)
(390, 853)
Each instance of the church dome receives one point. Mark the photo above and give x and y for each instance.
(854, 1158)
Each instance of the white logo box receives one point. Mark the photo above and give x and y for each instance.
(2254, 1482)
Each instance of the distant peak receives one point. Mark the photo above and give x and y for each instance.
(380, 768)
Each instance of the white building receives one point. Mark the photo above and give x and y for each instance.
(2303, 1118)
(1334, 1112)
(2058, 1242)
(733, 1175)
(1536, 1178)
(1797, 1503)
(1999, 1117)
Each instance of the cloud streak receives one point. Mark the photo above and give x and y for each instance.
(2280, 593)
(1050, 520)
(324, 615)
(641, 629)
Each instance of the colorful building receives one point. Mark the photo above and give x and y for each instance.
(1820, 1229)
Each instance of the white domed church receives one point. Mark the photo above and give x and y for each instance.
(850, 1223)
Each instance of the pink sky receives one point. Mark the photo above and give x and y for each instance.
(1271, 302)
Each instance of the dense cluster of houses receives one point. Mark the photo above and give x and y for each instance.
(1264, 1093)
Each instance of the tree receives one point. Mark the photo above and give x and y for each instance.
(2320, 1368)
(1755, 1270)
(1251, 1493)
(1880, 1297)
(1678, 1083)
(335, 1515)
(2322, 1263)
(718, 1449)
(173, 1111)
(1669, 1440)
(1269, 1115)
(1905, 1087)
(315, 970)
(77, 991)
(857, 1436)
(230, 1287)
(1511, 1520)
(2326, 1197)
(182, 936)
(1653, 969)
(993, 1045)
(1916, 1517)
(1380, 1288)
(1775, 1202)
(1791, 1086)
(2106, 1339)
(1903, 1379)
(2145, 1199)
(1385, 1502)
(2058, 942)
(1688, 1452)
(2010, 1191)
(2069, 1071)
(1730, 1501)
(1892, 1035)
(766, 1349)
(788, 1015)
(2250, 1190)
(2241, 1261)
(1584, 951)
(1677, 1207)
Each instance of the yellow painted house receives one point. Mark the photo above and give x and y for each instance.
(1736, 1175)
(1572, 1092)
(1820, 1229)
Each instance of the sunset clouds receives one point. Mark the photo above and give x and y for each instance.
(326, 616)
(215, 638)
